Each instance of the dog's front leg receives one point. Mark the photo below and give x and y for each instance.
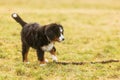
(40, 55)
(53, 54)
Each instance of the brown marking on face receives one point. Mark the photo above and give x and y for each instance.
(56, 39)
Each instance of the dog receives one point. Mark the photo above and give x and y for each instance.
(41, 38)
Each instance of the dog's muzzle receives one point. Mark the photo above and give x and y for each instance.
(61, 38)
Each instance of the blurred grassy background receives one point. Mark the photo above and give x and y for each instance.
(92, 33)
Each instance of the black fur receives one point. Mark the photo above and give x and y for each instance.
(36, 36)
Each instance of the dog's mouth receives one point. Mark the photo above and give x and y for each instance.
(61, 38)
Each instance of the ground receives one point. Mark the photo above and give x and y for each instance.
(92, 33)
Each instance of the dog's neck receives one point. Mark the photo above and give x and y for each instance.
(48, 39)
(46, 35)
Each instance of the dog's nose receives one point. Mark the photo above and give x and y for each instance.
(63, 39)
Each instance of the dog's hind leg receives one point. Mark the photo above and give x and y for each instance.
(25, 49)
(40, 55)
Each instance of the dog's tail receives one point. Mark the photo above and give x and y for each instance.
(18, 19)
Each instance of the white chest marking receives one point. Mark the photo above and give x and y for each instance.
(47, 47)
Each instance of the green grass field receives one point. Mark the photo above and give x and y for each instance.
(92, 33)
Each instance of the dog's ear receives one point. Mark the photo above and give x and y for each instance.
(50, 34)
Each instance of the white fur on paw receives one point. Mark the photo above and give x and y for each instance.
(43, 64)
(54, 58)
(46, 61)
(27, 62)
(14, 15)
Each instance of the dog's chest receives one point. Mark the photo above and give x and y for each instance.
(47, 47)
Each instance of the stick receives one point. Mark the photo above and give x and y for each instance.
(82, 63)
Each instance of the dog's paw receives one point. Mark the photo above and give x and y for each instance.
(27, 62)
(54, 58)
(46, 60)
(43, 64)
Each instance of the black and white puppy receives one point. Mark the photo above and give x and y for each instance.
(41, 38)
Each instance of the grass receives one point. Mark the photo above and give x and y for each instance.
(92, 33)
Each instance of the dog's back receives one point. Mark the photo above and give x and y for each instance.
(33, 34)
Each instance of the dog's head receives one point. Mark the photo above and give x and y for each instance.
(54, 32)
